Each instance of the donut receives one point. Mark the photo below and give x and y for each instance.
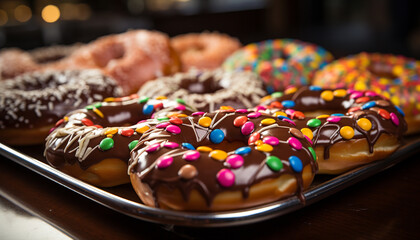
(131, 58)
(280, 62)
(206, 50)
(348, 128)
(14, 61)
(93, 144)
(225, 160)
(395, 77)
(208, 90)
(31, 103)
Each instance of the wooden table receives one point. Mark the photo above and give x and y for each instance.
(384, 206)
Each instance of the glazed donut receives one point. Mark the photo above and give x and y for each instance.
(93, 144)
(131, 58)
(204, 50)
(280, 62)
(395, 77)
(348, 128)
(209, 90)
(30, 104)
(223, 160)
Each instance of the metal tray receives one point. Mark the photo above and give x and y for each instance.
(124, 200)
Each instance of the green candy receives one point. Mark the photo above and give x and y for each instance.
(180, 101)
(144, 99)
(132, 144)
(276, 94)
(89, 107)
(312, 152)
(314, 122)
(97, 105)
(106, 144)
(274, 163)
(163, 119)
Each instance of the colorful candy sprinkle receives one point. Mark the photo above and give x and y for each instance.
(242, 110)
(276, 94)
(217, 136)
(273, 141)
(171, 145)
(294, 143)
(87, 122)
(173, 129)
(384, 113)
(111, 131)
(313, 122)
(204, 121)
(142, 129)
(148, 109)
(315, 88)
(204, 149)
(254, 115)
(327, 95)
(219, 155)
(239, 121)
(268, 121)
(274, 163)
(394, 119)
(127, 132)
(333, 119)
(347, 132)
(162, 125)
(322, 116)
(164, 162)
(235, 161)
(296, 164)
(132, 144)
(253, 137)
(243, 150)
(188, 146)
(288, 103)
(264, 147)
(340, 93)
(312, 151)
(308, 133)
(226, 177)
(144, 99)
(368, 105)
(247, 128)
(191, 155)
(153, 147)
(106, 144)
(364, 124)
(197, 113)
(187, 171)
(295, 132)
(175, 120)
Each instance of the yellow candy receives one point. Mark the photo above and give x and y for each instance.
(142, 129)
(340, 93)
(418, 88)
(265, 98)
(99, 113)
(110, 99)
(226, 108)
(327, 95)
(398, 70)
(218, 155)
(258, 142)
(322, 116)
(307, 132)
(360, 85)
(347, 132)
(111, 131)
(395, 100)
(204, 121)
(264, 147)
(268, 121)
(182, 115)
(204, 149)
(109, 136)
(276, 114)
(66, 119)
(364, 123)
(161, 97)
(290, 90)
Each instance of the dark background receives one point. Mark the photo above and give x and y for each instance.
(341, 26)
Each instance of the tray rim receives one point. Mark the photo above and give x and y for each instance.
(208, 219)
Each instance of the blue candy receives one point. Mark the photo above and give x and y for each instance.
(337, 114)
(288, 103)
(283, 117)
(368, 105)
(217, 136)
(315, 88)
(188, 146)
(270, 89)
(296, 163)
(400, 110)
(148, 109)
(243, 150)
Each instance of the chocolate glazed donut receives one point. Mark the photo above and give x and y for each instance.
(221, 161)
(93, 144)
(348, 128)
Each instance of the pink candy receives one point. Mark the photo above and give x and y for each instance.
(191, 155)
(226, 177)
(162, 125)
(333, 119)
(164, 162)
(356, 94)
(173, 129)
(394, 119)
(371, 94)
(289, 111)
(289, 121)
(197, 113)
(259, 108)
(235, 161)
(273, 141)
(241, 110)
(180, 107)
(254, 115)
(247, 128)
(153, 147)
(294, 143)
(309, 140)
(171, 145)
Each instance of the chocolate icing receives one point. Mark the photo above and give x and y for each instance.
(254, 169)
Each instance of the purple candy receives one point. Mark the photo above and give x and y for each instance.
(226, 177)
(333, 119)
(273, 141)
(241, 110)
(247, 128)
(173, 129)
(289, 121)
(191, 155)
(254, 115)
(171, 145)
(235, 161)
(394, 119)
(153, 147)
(294, 143)
(356, 94)
(197, 113)
(162, 125)
(164, 162)
(371, 94)
(180, 107)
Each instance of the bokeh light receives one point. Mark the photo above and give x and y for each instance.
(50, 13)
(23, 13)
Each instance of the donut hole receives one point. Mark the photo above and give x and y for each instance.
(382, 70)
(103, 55)
(201, 86)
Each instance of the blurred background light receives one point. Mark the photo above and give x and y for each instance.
(50, 13)
(22, 13)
